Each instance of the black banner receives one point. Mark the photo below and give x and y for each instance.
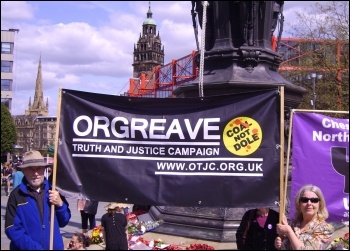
(211, 151)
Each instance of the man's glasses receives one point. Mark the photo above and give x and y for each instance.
(36, 168)
(305, 200)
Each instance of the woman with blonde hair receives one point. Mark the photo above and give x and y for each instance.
(309, 230)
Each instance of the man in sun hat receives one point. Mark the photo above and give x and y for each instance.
(114, 227)
(28, 211)
(111, 206)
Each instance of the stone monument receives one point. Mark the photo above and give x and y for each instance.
(238, 57)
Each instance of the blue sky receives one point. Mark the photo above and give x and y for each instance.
(88, 45)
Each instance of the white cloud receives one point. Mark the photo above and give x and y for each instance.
(16, 10)
(90, 46)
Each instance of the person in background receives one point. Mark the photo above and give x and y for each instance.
(6, 176)
(17, 176)
(88, 214)
(309, 229)
(257, 230)
(114, 228)
(78, 242)
(48, 173)
(28, 217)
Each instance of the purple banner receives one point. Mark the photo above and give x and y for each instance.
(321, 157)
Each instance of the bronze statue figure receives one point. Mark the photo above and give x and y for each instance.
(239, 23)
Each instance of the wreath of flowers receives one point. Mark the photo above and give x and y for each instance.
(140, 227)
(160, 245)
(340, 243)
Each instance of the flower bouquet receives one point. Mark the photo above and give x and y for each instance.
(341, 243)
(160, 245)
(199, 246)
(140, 227)
(131, 217)
(96, 235)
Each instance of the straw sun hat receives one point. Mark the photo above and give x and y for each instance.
(114, 205)
(33, 158)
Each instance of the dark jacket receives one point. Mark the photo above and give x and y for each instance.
(115, 226)
(91, 207)
(257, 238)
(23, 223)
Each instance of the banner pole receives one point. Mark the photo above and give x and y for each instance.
(55, 166)
(282, 205)
(323, 111)
(288, 156)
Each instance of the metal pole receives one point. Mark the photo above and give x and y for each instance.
(202, 51)
(314, 93)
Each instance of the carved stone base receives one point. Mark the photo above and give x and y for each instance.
(205, 223)
(239, 70)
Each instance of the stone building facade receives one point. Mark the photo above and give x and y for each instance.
(35, 129)
(148, 51)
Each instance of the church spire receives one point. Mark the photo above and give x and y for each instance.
(38, 108)
(38, 102)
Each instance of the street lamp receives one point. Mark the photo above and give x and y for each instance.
(314, 76)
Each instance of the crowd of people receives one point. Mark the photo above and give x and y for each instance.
(28, 210)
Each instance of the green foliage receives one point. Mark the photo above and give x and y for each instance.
(8, 130)
(50, 151)
(324, 49)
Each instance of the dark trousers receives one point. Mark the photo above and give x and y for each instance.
(87, 218)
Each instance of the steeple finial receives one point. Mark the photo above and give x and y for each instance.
(149, 13)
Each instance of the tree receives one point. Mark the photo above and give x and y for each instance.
(8, 130)
(50, 150)
(324, 49)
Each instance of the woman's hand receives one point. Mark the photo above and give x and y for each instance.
(284, 220)
(283, 228)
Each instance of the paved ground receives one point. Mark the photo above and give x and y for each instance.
(75, 224)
